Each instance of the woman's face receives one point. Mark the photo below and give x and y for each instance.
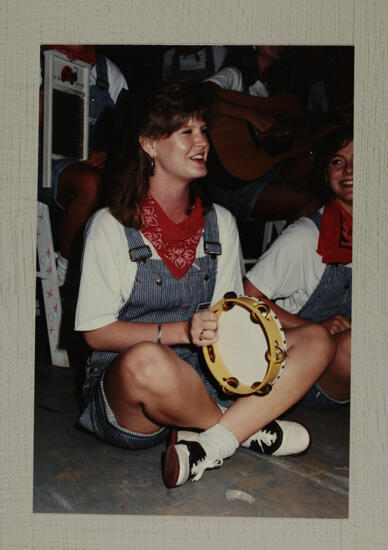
(340, 173)
(271, 53)
(183, 154)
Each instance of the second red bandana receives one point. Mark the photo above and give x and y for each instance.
(335, 235)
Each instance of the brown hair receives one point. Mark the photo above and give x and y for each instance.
(164, 111)
(326, 148)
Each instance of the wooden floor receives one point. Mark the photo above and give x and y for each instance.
(76, 473)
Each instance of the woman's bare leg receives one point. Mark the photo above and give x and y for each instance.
(79, 187)
(310, 351)
(149, 386)
(335, 381)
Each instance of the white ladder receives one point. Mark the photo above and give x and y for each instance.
(50, 289)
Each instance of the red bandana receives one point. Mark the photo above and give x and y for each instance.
(335, 235)
(175, 243)
(89, 55)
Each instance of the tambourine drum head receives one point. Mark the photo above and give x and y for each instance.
(242, 345)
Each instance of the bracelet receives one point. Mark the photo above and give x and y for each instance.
(159, 333)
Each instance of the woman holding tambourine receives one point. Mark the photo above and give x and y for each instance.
(306, 275)
(154, 260)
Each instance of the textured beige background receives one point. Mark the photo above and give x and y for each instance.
(26, 23)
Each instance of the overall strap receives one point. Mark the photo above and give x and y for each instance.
(175, 60)
(140, 252)
(102, 73)
(137, 250)
(245, 88)
(210, 59)
(211, 243)
(316, 218)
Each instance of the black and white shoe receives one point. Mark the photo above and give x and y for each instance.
(279, 438)
(185, 459)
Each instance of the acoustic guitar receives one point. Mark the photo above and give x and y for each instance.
(247, 154)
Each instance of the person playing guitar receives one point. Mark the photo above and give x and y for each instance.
(276, 186)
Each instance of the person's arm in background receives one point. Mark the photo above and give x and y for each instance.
(259, 120)
(287, 320)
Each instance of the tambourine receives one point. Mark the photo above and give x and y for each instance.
(251, 350)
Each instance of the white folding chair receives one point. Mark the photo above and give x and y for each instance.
(269, 228)
(272, 229)
(50, 289)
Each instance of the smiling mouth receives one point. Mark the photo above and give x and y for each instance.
(347, 183)
(198, 158)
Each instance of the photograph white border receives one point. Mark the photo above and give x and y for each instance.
(24, 25)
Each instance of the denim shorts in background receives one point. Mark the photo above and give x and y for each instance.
(240, 200)
(316, 398)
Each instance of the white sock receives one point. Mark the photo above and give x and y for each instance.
(62, 265)
(218, 442)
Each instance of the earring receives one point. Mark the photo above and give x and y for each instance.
(153, 166)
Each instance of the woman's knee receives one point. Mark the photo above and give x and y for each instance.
(344, 341)
(327, 341)
(148, 366)
(322, 344)
(342, 360)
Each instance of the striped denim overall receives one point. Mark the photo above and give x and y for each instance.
(99, 102)
(332, 296)
(157, 297)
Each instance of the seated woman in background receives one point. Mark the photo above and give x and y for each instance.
(284, 191)
(306, 275)
(76, 186)
(151, 259)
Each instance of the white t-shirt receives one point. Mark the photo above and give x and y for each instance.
(230, 78)
(108, 274)
(290, 270)
(194, 62)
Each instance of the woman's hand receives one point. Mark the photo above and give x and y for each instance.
(203, 328)
(337, 324)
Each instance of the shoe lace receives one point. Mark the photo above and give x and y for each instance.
(199, 467)
(265, 437)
